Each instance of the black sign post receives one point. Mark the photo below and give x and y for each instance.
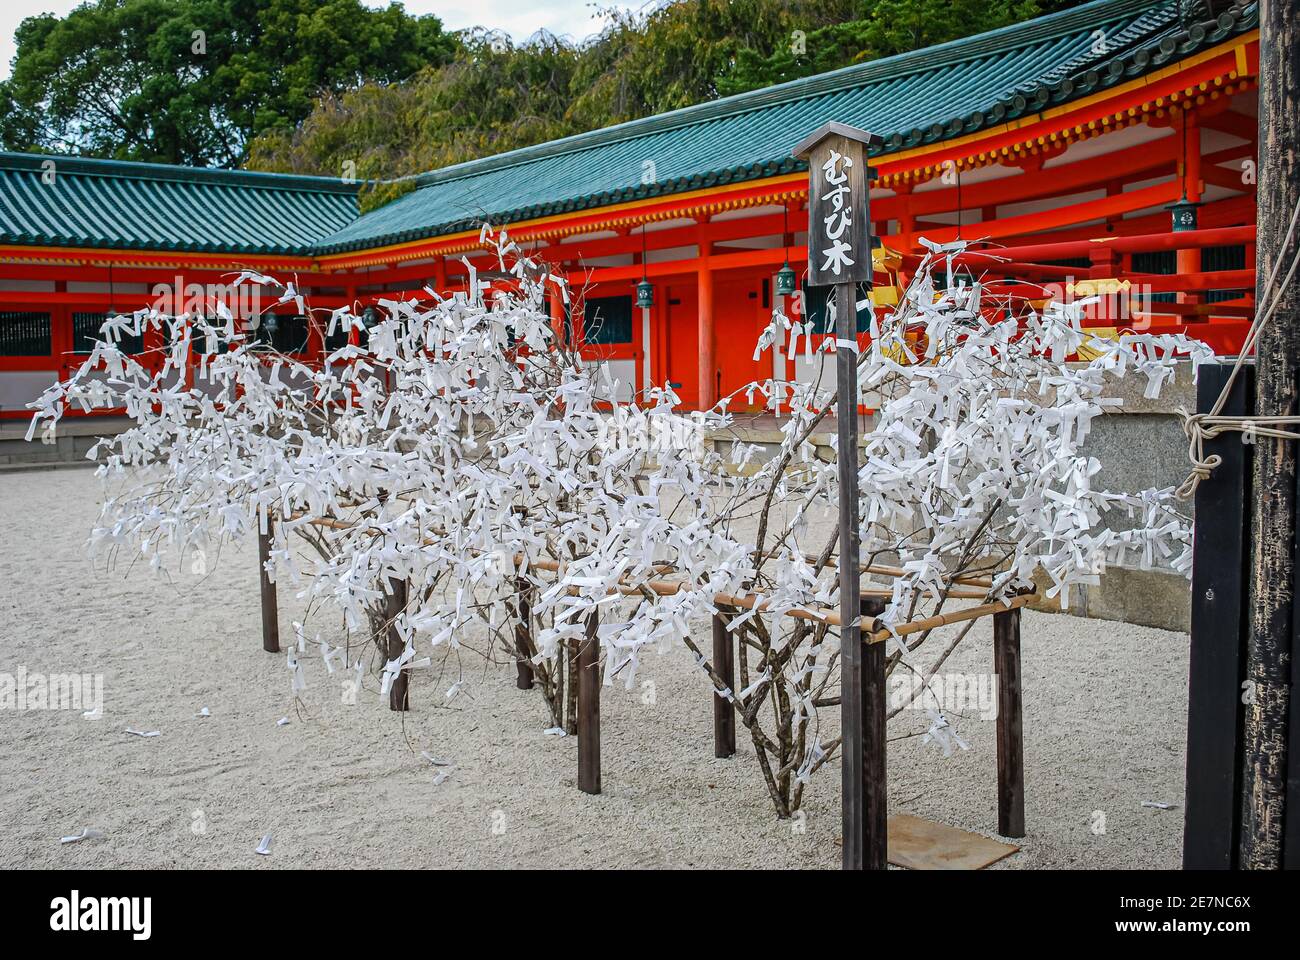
(839, 255)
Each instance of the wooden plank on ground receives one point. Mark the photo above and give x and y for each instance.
(925, 845)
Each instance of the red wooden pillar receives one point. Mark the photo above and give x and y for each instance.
(1112, 311)
(557, 314)
(61, 336)
(315, 348)
(708, 356)
(1104, 263)
(906, 219)
(1189, 261)
(440, 276)
(350, 291)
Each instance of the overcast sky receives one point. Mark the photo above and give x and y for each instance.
(574, 18)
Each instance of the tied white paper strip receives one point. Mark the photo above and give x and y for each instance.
(555, 732)
(851, 345)
(87, 833)
(264, 848)
(333, 656)
(144, 733)
(942, 733)
(282, 722)
(204, 712)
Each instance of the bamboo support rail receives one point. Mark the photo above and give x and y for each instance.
(872, 631)
(971, 580)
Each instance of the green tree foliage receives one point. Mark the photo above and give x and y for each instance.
(494, 96)
(881, 28)
(193, 81)
(491, 97)
(685, 53)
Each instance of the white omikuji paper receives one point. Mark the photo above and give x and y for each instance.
(462, 460)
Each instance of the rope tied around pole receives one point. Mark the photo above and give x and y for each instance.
(1200, 427)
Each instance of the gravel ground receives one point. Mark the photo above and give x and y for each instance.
(344, 786)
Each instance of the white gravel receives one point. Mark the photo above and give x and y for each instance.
(1105, 715)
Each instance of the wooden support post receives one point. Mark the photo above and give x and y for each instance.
(1217, 669)
(270, 611)
(1277, 392)
(560, 322)
(1011, 747)
(724, 713)
(875, 744)
(589, 708)
(572, 649)
(524, 621)
(399, 697)
(523, 634)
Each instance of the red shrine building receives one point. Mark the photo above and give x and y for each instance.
(1106, 149)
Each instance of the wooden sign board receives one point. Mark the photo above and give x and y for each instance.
(839, 228)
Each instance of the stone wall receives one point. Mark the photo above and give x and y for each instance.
(1140, 445)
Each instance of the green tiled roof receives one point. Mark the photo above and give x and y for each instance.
(911, 99)
(147, 206)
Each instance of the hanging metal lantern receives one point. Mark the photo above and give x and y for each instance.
(645, 294)
(1183, 215)
(370, 317)
(271, 323)
(785, 280)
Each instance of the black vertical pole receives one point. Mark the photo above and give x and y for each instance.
(1220, 564)
(523, 623)
(724, 713)
(399, 697)
(588, 682)
(1273, 572)
(523, 634)
(270, 611)
(1011, 744)
(875, 793)
(854, 709)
